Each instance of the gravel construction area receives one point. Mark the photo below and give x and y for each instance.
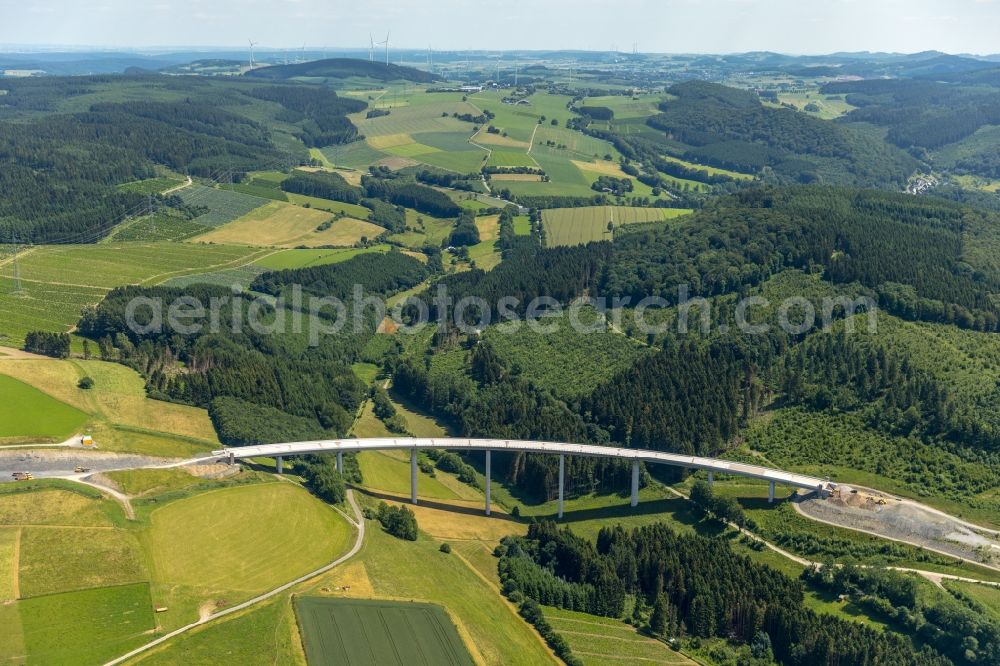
(893, 518)
(44, 463)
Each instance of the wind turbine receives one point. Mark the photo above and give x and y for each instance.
(371, 47)
(430, 58)
(302, 54)
(252, 44)
(386, 42)
(499, 58)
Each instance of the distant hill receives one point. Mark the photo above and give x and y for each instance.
(342, 68)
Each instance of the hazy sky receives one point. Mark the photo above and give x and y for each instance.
(712, 26)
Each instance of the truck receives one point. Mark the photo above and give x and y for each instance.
(23, 476)
(80, 470)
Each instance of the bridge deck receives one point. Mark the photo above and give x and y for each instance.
(714, 465)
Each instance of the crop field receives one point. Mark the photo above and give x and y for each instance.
(209, 546)
(575, 226)
(349, 210)
(84, 627)
(223, 205)
(275, 223)
(284, 225)
(27, 413)
(601, 640)
(489, 627)
(395, 632)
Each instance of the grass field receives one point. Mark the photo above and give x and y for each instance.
(394, 633)
(600, 640)
(63, 559)
(27, 413)
(286, 225)
(209, 548)
(714, 171)
(264, 635)
(118, 397)
(316, 257)
(85, 627)
(575, 226)
(511, 158)
(53, 506)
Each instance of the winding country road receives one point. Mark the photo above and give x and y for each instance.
(358, 522)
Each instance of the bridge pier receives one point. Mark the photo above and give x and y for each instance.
(711, 479)
(770, 492)
(413, 476)
(277, 464)
(635, 482)
(340, 461)
(487, 482)
(562, 482)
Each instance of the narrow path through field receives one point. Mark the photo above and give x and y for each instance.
(180, 187)
(933, 576)
(360, 524)
(917, 544)
(506, 602)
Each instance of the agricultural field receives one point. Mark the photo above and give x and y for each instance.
(395, 632)
(576, 226)
(597, 640)
(29, 414)
(511, 158)
(625, 106)
(223, 205)
(485, 253)
(302, 258)
(58, 281)
(420, 132)
(279, 224)
(390, 568)
(827, 107)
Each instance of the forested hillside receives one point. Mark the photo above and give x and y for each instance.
(59, 169)
(717, 126)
